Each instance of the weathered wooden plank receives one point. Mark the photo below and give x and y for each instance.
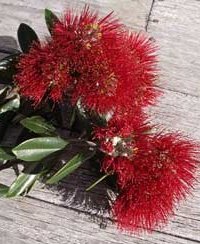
(132, 13)
(176, 111)
(36, 222)
(71, 194)
(175, 25)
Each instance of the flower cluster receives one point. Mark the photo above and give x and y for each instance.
(160, 173)
(154, 171)
(97, 62)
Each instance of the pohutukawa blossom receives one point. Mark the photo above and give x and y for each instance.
(97, 64)
(160, 174)
(121, 132)
(143, 52)
(41, 73)
(102, 65)
(94, 46)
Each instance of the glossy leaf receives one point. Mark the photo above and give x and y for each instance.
(26, 37)
(11, 105)
(22, 184)
(3, 93)
(38, 125)
(50, 19)
(6, 93)
(8, 68)
(69, 167)
(73, 117)
(4, 155)
(38, 148)
(3, 190)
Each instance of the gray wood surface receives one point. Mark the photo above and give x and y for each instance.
(66, 213)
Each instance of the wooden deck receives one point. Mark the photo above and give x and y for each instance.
(67, 214)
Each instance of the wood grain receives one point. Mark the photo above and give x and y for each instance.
(35, 221)
(177, 112)
(175, 26)
(132, 13)
(66, 213)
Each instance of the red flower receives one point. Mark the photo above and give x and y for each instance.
(120, 72)
(90, 59)
(160, 174)
(73, 58)
(120, 166)
(121, 132)
(41, 72)
(94, 46)
(143, 54)
(96, 62)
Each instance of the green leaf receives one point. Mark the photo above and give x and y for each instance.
(4, 93)
(22, 184)
(73, 117)
(8, 68)
(4, 155)
(97, 182)
(50, 19)
(26, 36)
(11, 105)
(68, 168)
(38, 125)
(7, 93)
(3, 190)
(38, 148)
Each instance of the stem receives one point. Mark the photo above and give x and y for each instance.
(97, 182)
